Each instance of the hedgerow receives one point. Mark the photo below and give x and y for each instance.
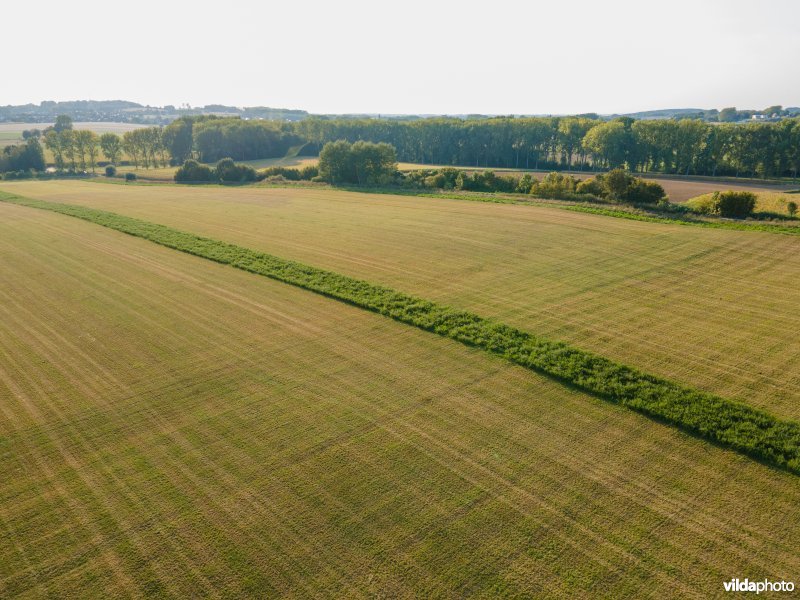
(731, 424)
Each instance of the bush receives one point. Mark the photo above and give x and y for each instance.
(645, 192)
(309, 172)
(230, 172)
(730, 204)
(616, 184)
(791, 208)
(620, 186)
(193, 172)
(111, 171)
(555, 185)
(21, 174)
(525, 184)
(734, 205)
(591, 186)
(130, 176)
(483, 181)
(435, 181)
(285, 172)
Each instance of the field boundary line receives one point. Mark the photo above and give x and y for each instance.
(733, 425)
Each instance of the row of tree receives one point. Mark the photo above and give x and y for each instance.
(687, 146)
(669, 146)
(79, 149)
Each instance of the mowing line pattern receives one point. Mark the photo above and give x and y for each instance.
(747, 430)
(631, 213)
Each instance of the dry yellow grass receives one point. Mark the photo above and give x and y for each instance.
(770, 202)
(171, 426)
(711, 308)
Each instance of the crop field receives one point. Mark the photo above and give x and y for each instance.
(99, 127)
(175, 427)
(713, 309)
(8, 138)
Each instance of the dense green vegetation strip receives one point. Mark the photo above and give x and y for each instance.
(731, 424)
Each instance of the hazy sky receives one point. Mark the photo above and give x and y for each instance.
(414, 56)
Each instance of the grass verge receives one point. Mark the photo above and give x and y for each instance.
(750, 431)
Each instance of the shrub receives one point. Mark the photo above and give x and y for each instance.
(193, 172)
(21, 174)
(285, 172)
(591, 186)
(130, 176)
(525, 184)
(734, 205)
(111, 171)
(230, 172)
(481, 181)
(730, 204)
(616, 183)
(309, 172)
(620, 186)
(555, 185)
(645, 192)
(435, 181)
(791, 208)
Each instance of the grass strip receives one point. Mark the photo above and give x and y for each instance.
(731, 424)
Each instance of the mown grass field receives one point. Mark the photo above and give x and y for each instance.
(176, 427)
(713, 309)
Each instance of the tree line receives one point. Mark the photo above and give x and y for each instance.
(688, 147)
(79, 149)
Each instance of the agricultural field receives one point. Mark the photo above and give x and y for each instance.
(714, 309)
(11, 133)
(175, 427)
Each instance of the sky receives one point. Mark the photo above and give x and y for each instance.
(415, 57)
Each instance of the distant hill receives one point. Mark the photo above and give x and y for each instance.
(122, 111)
(667, 113)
